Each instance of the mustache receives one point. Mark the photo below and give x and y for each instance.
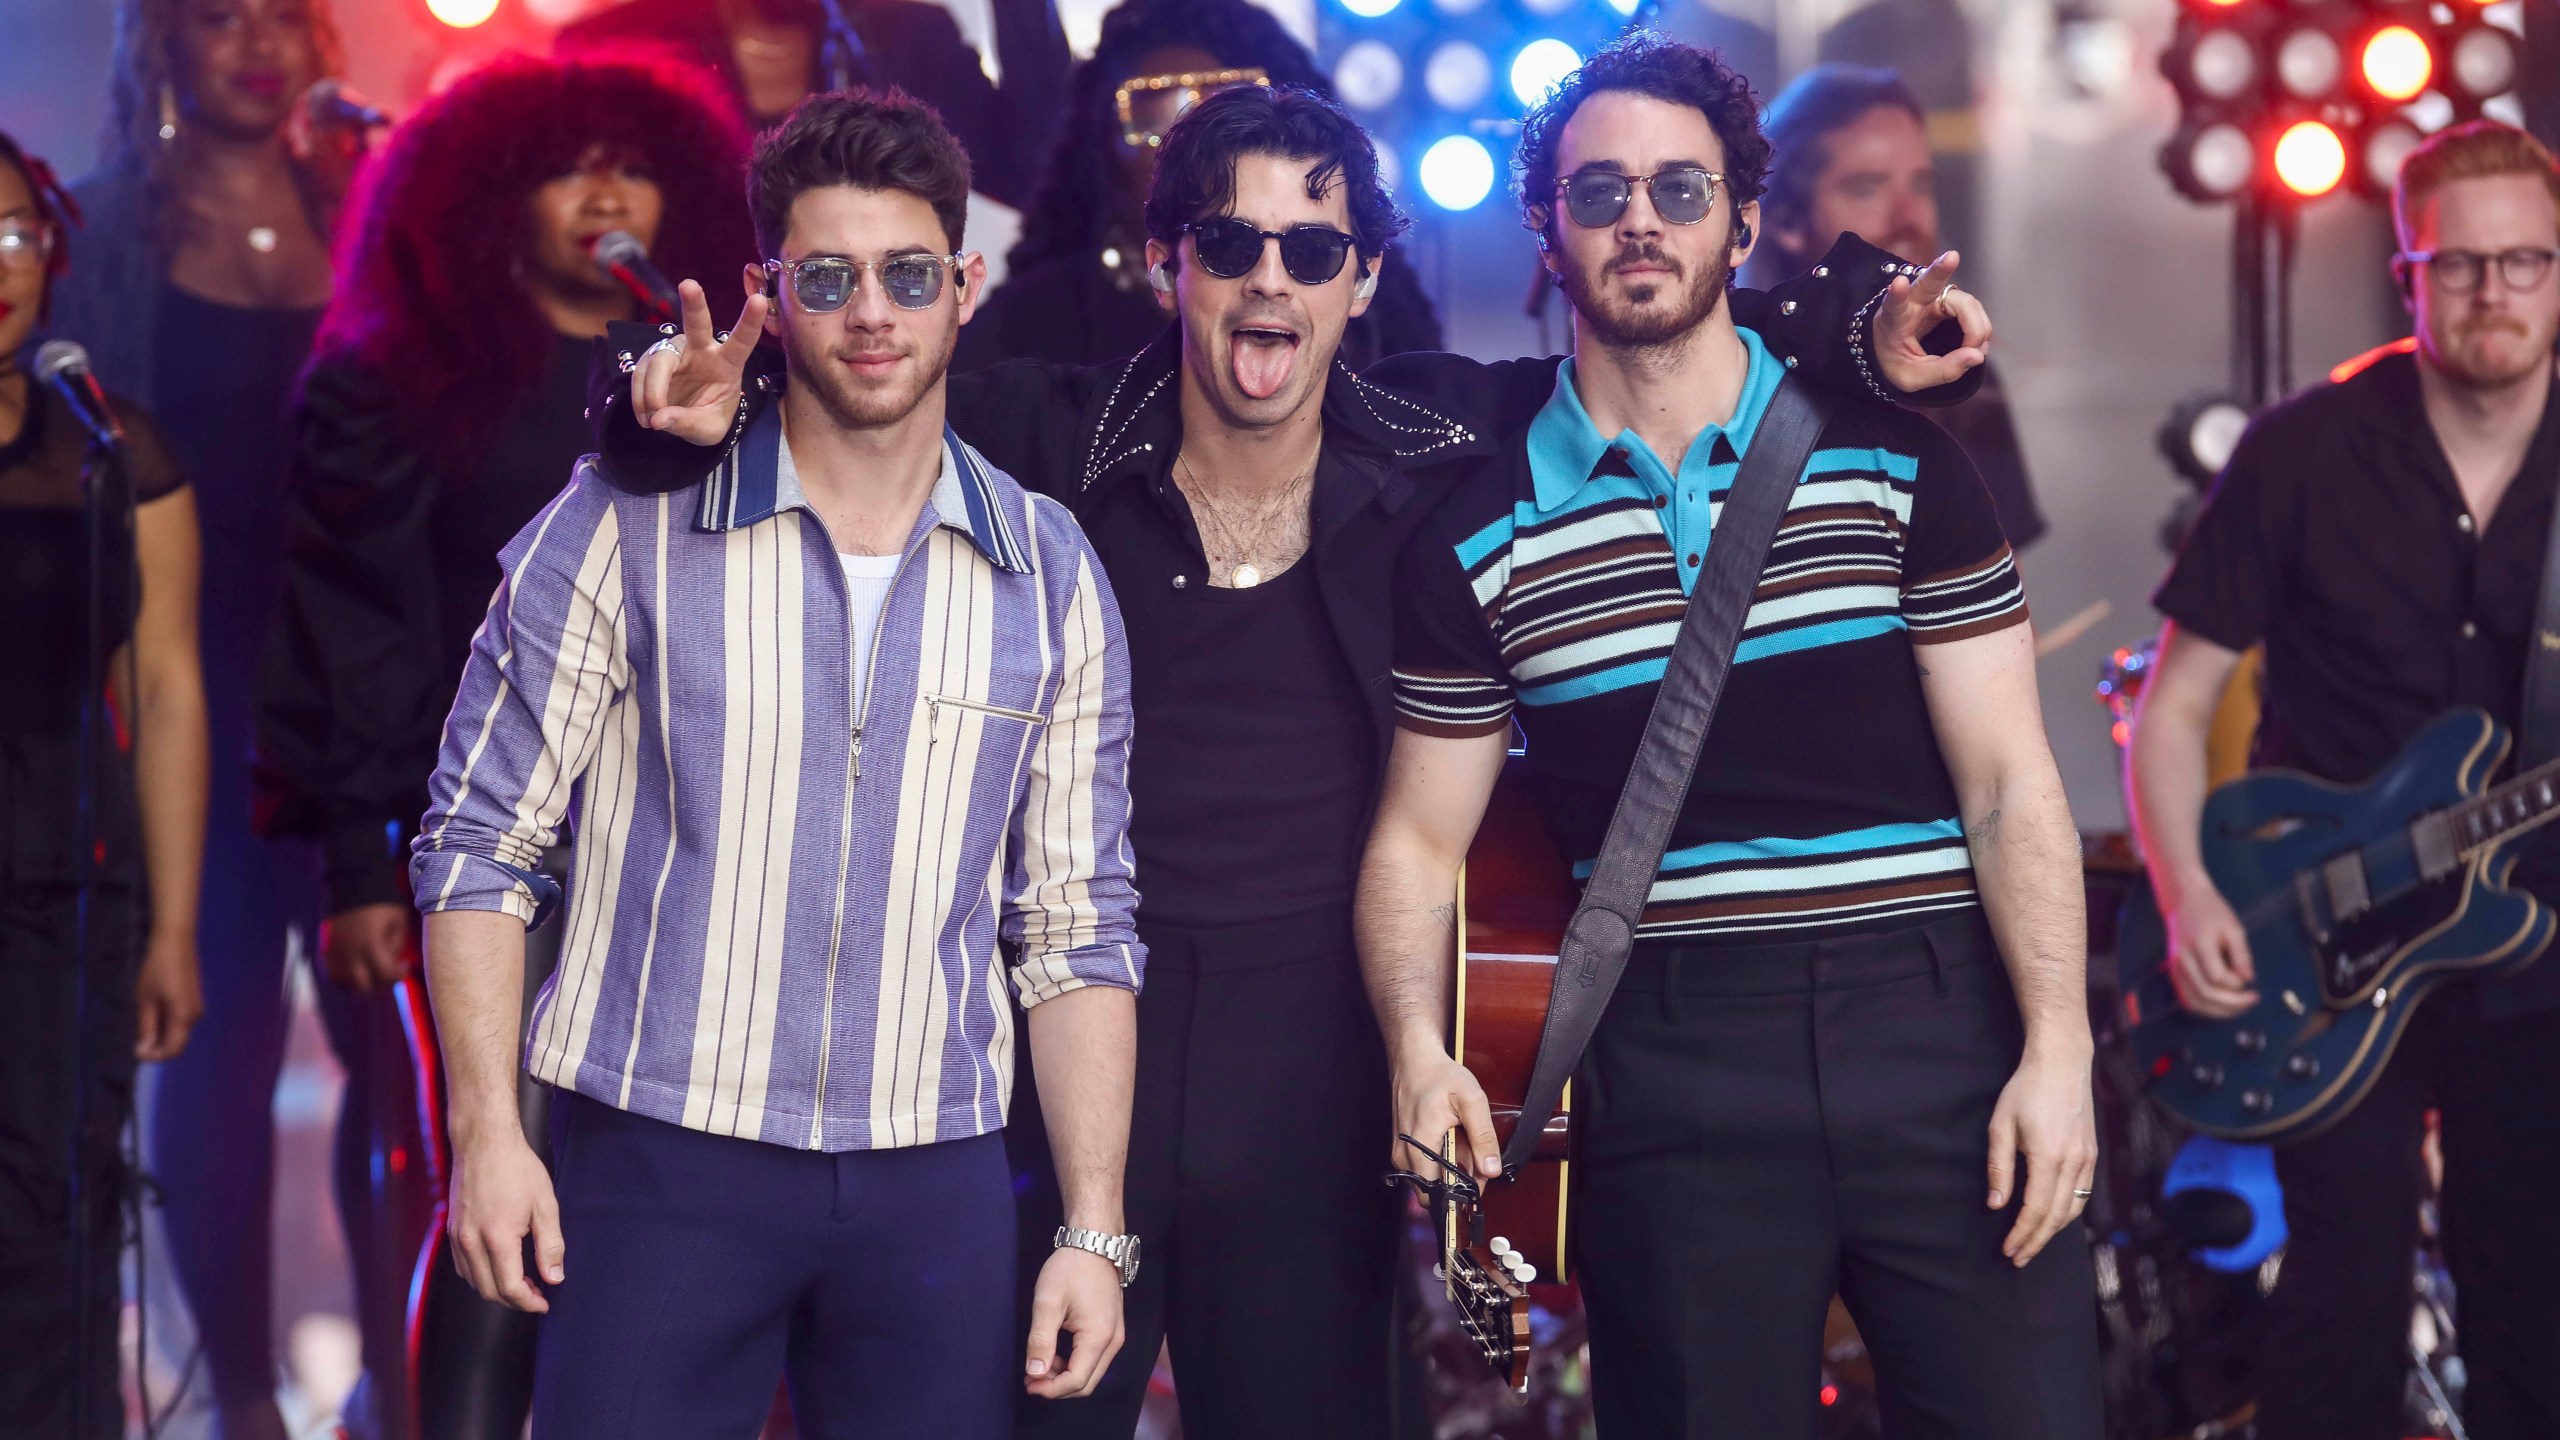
(1645, 255)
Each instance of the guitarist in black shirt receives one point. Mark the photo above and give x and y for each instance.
(2383, 537)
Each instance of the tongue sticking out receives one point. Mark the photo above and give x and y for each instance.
(1263, 360)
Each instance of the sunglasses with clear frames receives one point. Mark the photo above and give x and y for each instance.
(1229, 249)
(823, 284)
(25, 246)
(1682, 194)
(2461, 271)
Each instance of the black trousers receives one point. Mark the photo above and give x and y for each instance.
(62, 1074)
(1257, 1156)
(2335, 1359)
(1760, 1127)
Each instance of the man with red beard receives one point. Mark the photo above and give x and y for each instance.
(2384, 538)
(1248, 495)
(1850, 1047)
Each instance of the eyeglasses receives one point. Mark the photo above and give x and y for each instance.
(822, 284)
(1230, 248)
(25, 246)
(1149, 104)
(1682, 194)
(2461, 271)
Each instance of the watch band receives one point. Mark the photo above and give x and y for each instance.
(1120, 1250)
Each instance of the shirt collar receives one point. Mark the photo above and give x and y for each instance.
(1565, 447)
(758, 481)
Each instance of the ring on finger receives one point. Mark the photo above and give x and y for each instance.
(673, 345)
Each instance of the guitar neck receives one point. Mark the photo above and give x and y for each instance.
(2529, 800)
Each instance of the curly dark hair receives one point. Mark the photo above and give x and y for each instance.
(428, 264)
(146, 65)
(1196, 175)
(872, 139)
(1074, 209)
(1644, 63)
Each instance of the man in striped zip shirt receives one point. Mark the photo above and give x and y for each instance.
(834, 720)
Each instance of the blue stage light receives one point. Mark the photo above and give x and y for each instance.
(1457, 75)
(1623, 7)
(1540, 67)
(1457, 173)
(1368, 75)
(1369, 9)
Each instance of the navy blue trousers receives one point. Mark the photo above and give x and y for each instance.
(879, 1283)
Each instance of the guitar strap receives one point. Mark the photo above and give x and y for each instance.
(1603, 929)
(2540, 725)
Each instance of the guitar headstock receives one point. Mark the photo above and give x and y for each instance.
(1487, 1285)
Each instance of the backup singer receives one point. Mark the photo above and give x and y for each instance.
(1248, 493)
(75, 1014)
(441, 412)
(1791, 1090)
(838, 718)
(2383, 538)
(204, 265)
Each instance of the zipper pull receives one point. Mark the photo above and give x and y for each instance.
(857, 754)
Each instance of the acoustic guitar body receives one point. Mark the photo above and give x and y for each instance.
(1518, 895)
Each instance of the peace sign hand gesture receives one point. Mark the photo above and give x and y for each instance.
(688, 384)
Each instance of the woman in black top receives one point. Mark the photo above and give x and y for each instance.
(444, 408)
(72, 1024)
(204, 264)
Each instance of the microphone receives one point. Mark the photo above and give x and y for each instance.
(328, 103)
(620, 254)
(63, 365)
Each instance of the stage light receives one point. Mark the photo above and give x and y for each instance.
(2310, 159)
(462, 14)
(1540, 67)
(1547, 7)
(2430, 112)
(2308, 64)
(1624, 7)
(2213, 162)
(1457, 75)
(1370, 9)
(2221, 66)
(2201, 434)
(1457, 173)
(2397, 64)
(1457, 7)
(2484, 62)
(2386, 146)
(1368, 75)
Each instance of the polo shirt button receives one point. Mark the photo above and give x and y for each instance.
(1180, 581)
(1661, 501)
(2462, 522)
(1693, 562)
(2469, 630)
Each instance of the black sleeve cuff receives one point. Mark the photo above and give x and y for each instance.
(365, 863)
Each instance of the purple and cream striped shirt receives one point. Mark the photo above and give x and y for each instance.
(784, 914)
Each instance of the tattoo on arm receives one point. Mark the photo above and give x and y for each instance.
(1447, 915)
(1985, 830)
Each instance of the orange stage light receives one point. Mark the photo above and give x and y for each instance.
(2311, 159)
(2397, 63)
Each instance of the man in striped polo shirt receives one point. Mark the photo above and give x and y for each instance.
(1791, 1091)
(835, 719)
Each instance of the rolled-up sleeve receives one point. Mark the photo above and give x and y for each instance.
(1070, 906)
(545, 670)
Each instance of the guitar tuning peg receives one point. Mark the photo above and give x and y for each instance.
(1499, 1246)
(1525, 1273)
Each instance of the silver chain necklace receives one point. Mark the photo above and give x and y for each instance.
(1233, 543)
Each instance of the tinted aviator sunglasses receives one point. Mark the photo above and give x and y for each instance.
(1682, 194)
(823, 284)
(1230, 248)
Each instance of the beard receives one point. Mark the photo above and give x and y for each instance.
(2491, 350)
(1661, 311)
(859, 405)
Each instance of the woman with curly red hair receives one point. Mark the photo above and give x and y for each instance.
(443, 409)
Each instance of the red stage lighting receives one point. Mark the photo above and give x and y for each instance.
(2397, 64)
(2310, 159)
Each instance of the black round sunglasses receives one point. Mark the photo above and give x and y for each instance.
(1229, 249)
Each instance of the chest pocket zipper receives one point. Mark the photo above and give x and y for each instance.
(934, 703)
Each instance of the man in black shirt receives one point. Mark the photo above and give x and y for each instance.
(1248, 495)
(2382, 537)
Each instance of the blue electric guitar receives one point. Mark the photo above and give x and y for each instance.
(2359, 901)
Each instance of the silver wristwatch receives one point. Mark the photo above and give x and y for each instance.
(1120, 1250)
